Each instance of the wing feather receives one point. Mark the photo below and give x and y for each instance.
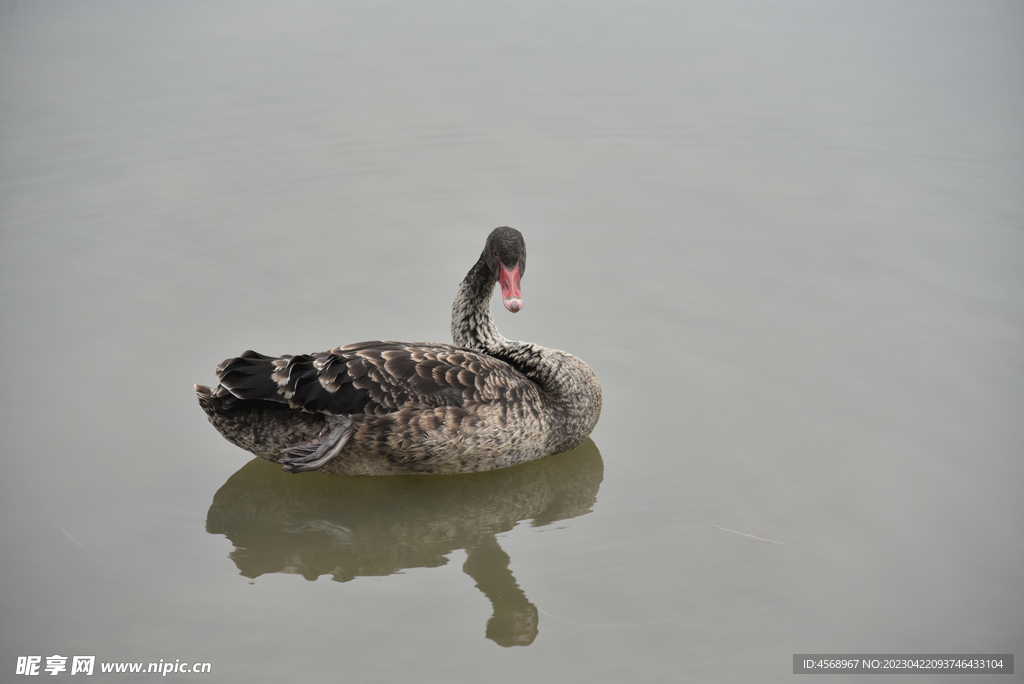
(372, 377)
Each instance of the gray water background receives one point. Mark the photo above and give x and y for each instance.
(788, 237)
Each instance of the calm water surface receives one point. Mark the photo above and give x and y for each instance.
(788, 238)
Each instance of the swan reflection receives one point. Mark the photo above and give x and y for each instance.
(347, 527)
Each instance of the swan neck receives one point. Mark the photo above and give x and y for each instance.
(472, 325)
(571, 391)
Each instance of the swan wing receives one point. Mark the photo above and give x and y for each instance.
(375, 377)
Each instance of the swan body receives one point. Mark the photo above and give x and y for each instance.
(378, 408)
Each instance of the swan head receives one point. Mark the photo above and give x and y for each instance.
(505, 255)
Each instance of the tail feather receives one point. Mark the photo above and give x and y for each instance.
(249, 376)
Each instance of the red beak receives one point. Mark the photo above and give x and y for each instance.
(511, 290)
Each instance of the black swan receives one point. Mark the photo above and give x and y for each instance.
(379, 408)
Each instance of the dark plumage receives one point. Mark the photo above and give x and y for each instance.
(377, 408)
